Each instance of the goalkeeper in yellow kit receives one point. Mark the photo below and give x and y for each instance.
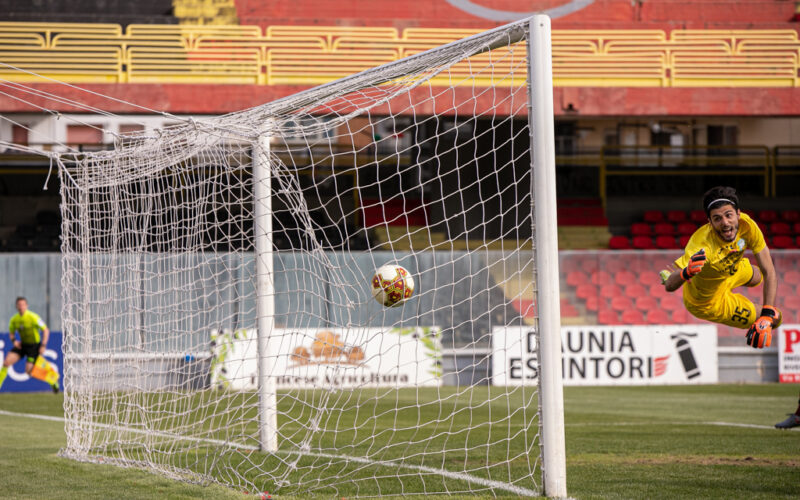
(33, 336)
(713, 264)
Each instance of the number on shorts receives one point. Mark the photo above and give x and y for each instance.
(741, 314)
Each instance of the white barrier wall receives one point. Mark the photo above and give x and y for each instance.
(613, 355)
(789, 353)
(309, 358)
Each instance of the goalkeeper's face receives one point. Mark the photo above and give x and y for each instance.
(725, 221)
(22, 306)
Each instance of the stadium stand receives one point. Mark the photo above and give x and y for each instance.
(205, 12)
(122, 12)
(603, 287)
(672, 229)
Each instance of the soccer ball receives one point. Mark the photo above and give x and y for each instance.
(392, 285)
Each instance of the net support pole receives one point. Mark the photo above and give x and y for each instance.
(543, 163)
(265, 293)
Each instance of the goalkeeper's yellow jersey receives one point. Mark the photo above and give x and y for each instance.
(722, 259)
(28, 326)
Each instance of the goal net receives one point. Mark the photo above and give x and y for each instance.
(217, 286)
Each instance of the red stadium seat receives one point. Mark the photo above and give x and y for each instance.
(664, 228)
(792, 277)
(677, 216)
(635, 290)
(590, 264)
(621, 303)
(672, 302)
(593, 303)
(791, 303)
(638, 263)
(601, 277)
(615, 264)
(698, 217)
(686, 228)
(790, 215)
(780, 228)
(656, 289)
(607, 317)
(569, 311)
(619, 243)
(680, 316)
(585, 291)
(575, 278)
(610, 291)
(633, 317)
(569, 263)
(647, 278)
(643, 243)
(752, 291)
(646, 303)
(796, 228)
(640, 229)
(624, 277)
(767, 216)
(657, 317)
(666, 242)
(683, 240)
(653, 216)
(782, 241)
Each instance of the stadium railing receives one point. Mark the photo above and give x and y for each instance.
(752, 161)
(762, 164)
(310, 55)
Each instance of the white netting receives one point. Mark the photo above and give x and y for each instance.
(423, 163)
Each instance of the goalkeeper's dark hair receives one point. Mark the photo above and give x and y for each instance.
(719, 196)
(20, 298)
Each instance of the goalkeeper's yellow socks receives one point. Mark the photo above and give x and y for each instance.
(3, 374)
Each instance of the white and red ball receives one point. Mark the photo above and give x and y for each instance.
(392, 285)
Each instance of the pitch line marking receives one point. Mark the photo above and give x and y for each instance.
(386, 463)
(718, 424)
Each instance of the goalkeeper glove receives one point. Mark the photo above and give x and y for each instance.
(760, 334)
(696, 263)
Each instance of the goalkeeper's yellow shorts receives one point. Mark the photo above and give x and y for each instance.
(726, 307)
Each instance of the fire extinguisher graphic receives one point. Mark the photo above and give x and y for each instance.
(685, 352)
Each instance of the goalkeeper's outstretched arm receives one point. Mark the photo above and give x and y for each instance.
(672, 281)
(677, 278)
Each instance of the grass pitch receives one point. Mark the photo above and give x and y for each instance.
(627, 442)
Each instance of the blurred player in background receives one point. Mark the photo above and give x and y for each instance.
(713, 264)
(33, 336)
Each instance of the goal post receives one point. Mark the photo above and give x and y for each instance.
(217, 283)
(265, 290)
(541, 116)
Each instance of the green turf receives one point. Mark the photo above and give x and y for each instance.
(642, 442)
